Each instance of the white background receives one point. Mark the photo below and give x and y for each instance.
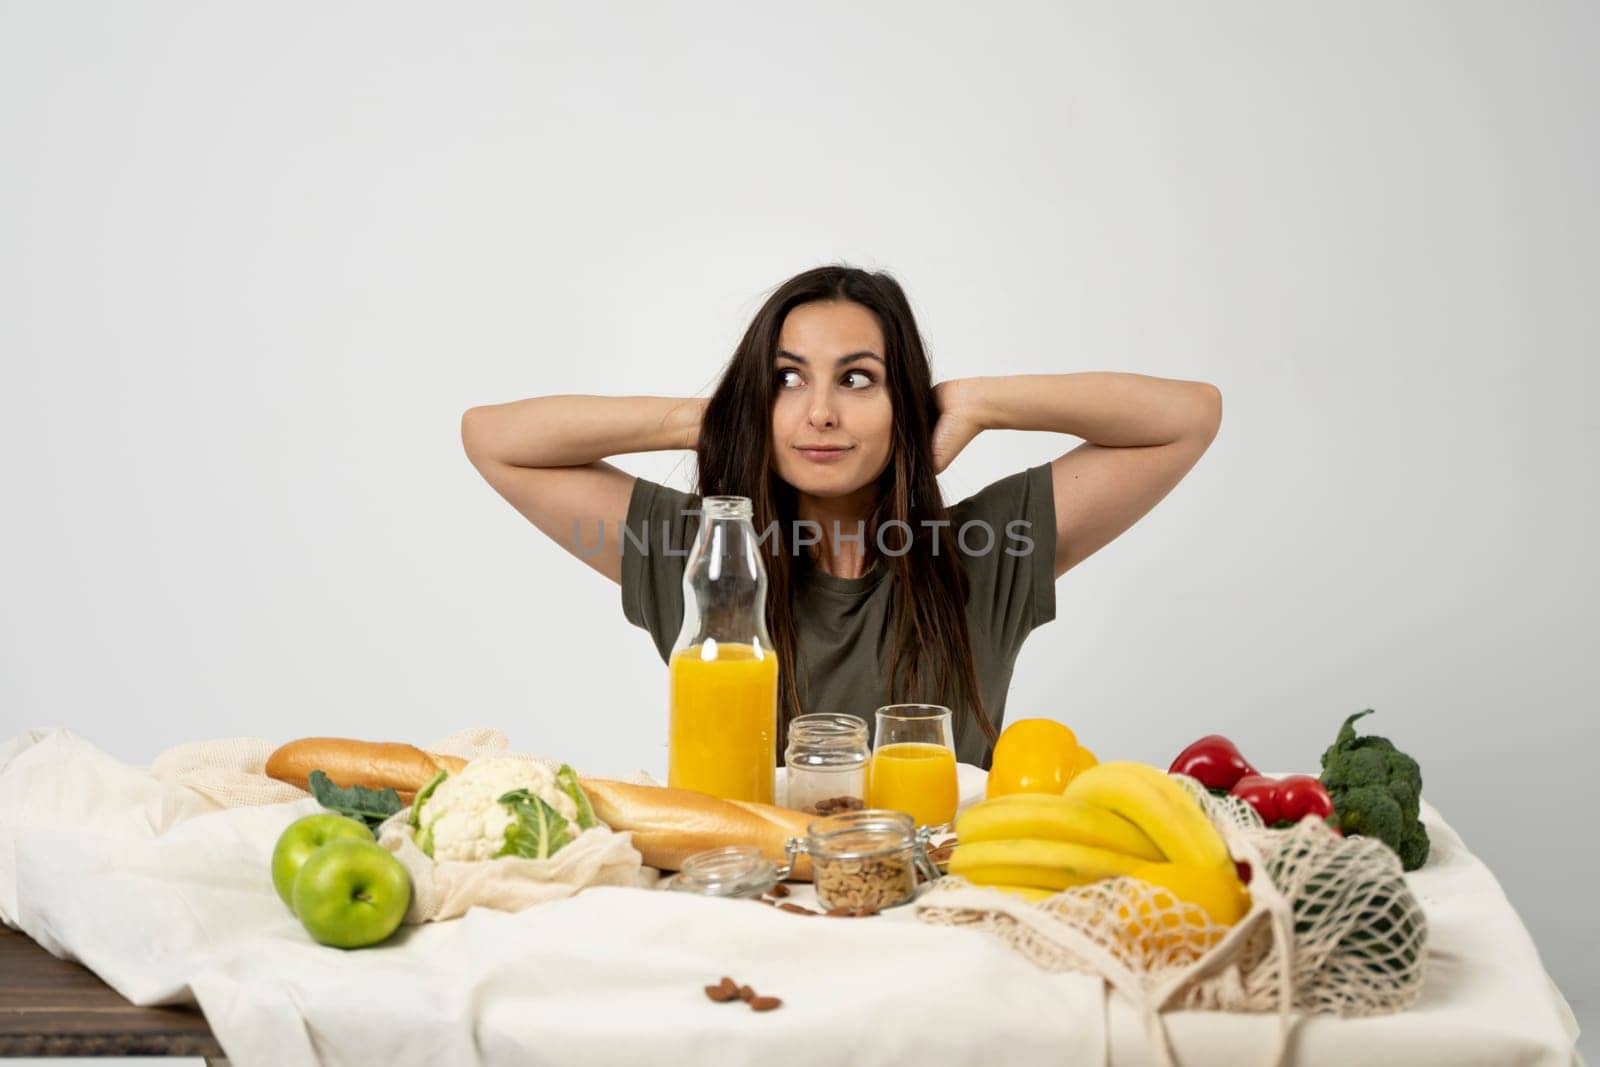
(255, 262)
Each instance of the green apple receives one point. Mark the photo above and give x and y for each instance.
(301, 839)
(351, 893)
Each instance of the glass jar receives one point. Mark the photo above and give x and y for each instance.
(735, 871)
(864, 859)
(723, 735)
(826, 763)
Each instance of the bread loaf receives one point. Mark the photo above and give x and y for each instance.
(669, 825)
(347, 762)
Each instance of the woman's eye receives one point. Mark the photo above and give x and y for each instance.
(866, 379)
(783, 374)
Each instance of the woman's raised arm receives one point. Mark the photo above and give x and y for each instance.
(546, 456)
(1141, 436)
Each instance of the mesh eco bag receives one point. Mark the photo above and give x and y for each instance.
(232, 772)
(1332, 927)
(444, 889)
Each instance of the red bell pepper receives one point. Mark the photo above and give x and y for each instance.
(1261, 793)
(1214, 762)
(1284, 801)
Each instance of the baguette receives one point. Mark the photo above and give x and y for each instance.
(373, 764)
(668, 825)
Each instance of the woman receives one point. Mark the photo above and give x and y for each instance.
(827, 418)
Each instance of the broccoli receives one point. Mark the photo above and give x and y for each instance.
(1414, 847)
(1376, 791)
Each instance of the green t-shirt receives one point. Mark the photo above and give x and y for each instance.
(843, 633)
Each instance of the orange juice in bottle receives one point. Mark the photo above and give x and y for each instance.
(723, 732)
(724, 738)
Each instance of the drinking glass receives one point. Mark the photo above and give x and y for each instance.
(914, 764)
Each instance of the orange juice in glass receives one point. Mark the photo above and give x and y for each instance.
(914, 764)
(723, 737)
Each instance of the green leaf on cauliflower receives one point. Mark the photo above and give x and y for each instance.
(567, 780)
(422, 797)
(537, 830)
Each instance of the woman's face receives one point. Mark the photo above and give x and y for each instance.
(829, 382)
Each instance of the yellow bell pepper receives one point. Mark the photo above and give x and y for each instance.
(1036, 756)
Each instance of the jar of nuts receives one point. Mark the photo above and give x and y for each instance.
(826, 763)
(866, 859)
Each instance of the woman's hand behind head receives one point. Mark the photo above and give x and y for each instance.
(958, 422)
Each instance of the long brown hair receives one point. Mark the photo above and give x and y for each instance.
(932, 658)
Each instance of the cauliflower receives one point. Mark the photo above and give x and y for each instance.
(499, 806)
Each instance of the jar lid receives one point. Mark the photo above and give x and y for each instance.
(855, 835)
(734, 871)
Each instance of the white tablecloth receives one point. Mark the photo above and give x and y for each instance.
(169, 900)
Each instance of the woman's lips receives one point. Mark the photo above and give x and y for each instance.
(824, 455)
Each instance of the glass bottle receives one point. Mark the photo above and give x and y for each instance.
(826, 763)
(724, 671)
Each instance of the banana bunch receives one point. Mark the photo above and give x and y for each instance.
(1114, 819)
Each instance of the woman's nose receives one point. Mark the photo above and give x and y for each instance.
(822, 412)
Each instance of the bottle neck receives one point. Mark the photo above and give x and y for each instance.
(715, 508)
(725, 579)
